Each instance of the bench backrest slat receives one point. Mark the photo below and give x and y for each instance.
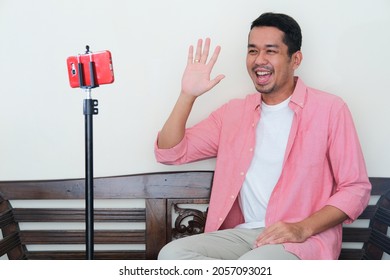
(78, 237)
(154, 185)
(80, 255)
(78, 215)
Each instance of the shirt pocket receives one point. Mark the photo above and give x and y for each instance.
(309, 149)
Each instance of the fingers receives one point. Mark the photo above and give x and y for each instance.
(202, 52)
(190, 54)
(276, 234)
(198, 54)
(206, 49)
(265, 237)
(281, 233)
(214, 57)
(196, 78)
(270, 240)
(217, 79)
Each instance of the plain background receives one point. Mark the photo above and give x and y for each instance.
(345, 48)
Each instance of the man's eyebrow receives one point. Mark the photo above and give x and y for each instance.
(267, 46)
(275, 46)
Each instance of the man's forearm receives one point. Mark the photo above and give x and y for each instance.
(174, 128)
(282, 232)
(327, 217)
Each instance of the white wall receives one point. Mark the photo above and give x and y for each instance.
(345, 46)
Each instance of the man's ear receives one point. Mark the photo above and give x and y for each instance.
(297, 58)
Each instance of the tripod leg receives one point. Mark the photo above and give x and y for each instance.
(89, 111)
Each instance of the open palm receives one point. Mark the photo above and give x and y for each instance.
(196, 78)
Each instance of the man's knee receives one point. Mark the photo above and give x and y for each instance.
(168, 252)
(179, 249)
(186, 248)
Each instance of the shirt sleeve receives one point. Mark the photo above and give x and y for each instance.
(200, 142)
(352, 184)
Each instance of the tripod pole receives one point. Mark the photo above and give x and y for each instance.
(89, 111)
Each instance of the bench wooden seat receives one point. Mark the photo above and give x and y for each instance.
(135, 215)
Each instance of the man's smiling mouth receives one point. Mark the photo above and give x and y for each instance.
(263, 73)
(263, 76)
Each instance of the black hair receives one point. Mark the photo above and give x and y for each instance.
(286, 24)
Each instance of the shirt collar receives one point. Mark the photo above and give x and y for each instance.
(298, 96)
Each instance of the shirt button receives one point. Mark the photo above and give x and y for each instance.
(232, 196)
(220, 219)
(242, 173)
(251, 150)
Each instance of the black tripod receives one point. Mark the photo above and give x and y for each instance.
(90, 109)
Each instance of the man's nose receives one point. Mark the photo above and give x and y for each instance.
(261, 59)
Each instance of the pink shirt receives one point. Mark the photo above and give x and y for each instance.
(323, 164)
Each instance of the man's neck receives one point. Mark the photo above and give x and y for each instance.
(275, 98)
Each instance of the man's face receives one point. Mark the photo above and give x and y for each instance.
(269, 65)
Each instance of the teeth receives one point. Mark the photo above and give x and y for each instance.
(260, 73)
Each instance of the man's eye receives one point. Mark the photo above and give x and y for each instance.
(252, 51)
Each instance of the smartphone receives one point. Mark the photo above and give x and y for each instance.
(90, 69)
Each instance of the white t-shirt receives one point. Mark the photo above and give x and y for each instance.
(272, 134)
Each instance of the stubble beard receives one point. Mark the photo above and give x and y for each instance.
(265, 89)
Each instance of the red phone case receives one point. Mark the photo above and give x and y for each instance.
(102, 61)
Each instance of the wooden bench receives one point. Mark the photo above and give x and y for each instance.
(136, 215)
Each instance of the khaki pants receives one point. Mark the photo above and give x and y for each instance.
(231, 244)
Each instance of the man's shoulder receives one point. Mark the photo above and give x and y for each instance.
(237, 107)
(315, 93)
(323, 102)
(324, 96)
(252, 99)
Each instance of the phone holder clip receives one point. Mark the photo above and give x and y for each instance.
(92, 72)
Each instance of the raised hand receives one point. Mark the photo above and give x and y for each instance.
(196, 78)
(196, 81)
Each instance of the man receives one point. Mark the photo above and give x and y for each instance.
(289, 167)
